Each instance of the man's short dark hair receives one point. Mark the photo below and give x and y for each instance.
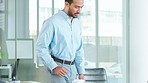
(69, 1)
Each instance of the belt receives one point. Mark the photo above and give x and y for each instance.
(62, 61)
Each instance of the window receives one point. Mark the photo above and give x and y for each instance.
(2, 23)
(102, 32)
(32, 18)
(42, 11)
(2, 14)
(60, 6)
(45, 11)
(110, 33)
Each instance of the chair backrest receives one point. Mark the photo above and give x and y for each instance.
(95, 75)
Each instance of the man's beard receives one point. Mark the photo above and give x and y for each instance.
(70, 14)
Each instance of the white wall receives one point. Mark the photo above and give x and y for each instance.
(138, 41)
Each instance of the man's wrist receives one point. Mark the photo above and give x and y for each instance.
(81, 76)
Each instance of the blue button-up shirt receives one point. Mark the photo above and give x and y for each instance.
(62, 38)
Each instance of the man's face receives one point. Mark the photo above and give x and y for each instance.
(75, 8)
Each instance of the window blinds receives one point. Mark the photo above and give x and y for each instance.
(2, 14)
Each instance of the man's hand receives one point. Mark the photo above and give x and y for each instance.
(60, 71)
(81, 76)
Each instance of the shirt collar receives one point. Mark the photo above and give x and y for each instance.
(63, 14)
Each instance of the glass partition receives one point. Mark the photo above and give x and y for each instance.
(103, 37)
(111, 38)
(87, 18)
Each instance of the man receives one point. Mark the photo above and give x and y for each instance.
(59, 44)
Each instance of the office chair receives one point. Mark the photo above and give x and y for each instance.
(95, 75)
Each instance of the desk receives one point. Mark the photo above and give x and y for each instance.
(22, 82)
(30, 82)
(9, 67)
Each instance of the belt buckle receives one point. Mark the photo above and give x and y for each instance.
(63, 62)
(71, 62)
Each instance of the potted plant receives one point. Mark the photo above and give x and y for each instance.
(1, 55)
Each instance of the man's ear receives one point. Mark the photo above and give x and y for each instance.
(67, 4)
